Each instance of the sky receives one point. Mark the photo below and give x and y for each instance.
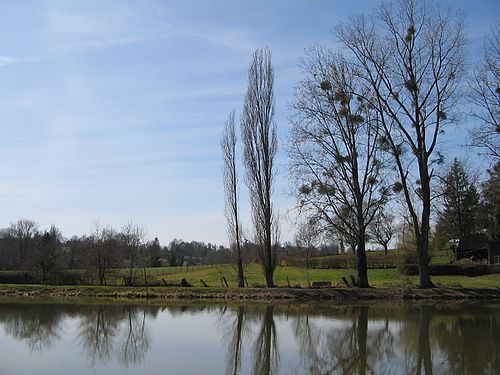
(113, 110)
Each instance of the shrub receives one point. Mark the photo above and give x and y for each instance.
(451, 269)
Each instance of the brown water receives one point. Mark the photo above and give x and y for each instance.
(45, 338)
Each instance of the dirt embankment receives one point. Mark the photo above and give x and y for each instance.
(260, 294)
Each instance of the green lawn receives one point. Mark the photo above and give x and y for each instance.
(287, 275)
(298, 276)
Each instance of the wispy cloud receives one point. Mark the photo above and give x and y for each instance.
(12, 60)
(229, 37)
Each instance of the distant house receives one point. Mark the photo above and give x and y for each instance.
(477, 247)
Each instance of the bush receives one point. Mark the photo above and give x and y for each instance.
(345, 261)
(451, 269)
(54, 278)
(18, 277)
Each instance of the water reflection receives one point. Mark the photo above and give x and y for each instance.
(265, 349)
(266, 339)
(234, 331)
(39, 328)
(104, 331)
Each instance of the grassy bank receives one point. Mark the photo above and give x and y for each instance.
(262, 294)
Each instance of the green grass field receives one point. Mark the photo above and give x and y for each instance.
(299, 276)
(295, 276)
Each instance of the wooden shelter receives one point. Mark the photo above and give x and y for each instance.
(477, 247)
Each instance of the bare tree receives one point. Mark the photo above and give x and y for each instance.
(103, 253)
(47, 256)
(485, 94)
(382, 229)
(23, 231)
(149, 254)
(228, 146)
(412, 57)
(260, 145)
(336, 160)
(306, 237)
(132, 236)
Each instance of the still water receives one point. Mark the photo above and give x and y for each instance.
(42, 337)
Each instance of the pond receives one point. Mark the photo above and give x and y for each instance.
(105, 337)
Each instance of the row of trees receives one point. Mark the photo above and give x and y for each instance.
(259, 138)
(366, 130)
(23, 246)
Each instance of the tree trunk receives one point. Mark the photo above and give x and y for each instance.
(241, 276)
(146, 281)
(362, 266)
(268, 271)
(423, 265)
(101, 274)
(131, 272)
(423, 239)
(268, 259)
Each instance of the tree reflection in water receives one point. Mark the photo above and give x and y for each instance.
(469, 342)
(393, 339)
(265, 349)
(98, 326)
(237, 324)
(235, 331)
(40, 327)
(424, 348)
(136, 338)
(345, 346)
(108, 330)
(423, 338)
(103, 331)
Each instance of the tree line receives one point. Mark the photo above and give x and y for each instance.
(366, 136)
(45, 253)
(24, 246)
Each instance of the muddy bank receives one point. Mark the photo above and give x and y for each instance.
(252, 293)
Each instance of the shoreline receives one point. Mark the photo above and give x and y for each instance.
(257, 294)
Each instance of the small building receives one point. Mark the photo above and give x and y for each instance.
(493, 251)
(477, 247)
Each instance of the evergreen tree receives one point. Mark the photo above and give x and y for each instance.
(461, 205)
(491, 203)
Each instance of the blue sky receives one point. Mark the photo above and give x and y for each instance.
(113, 110)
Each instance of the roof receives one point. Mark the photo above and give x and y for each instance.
(474, 241)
